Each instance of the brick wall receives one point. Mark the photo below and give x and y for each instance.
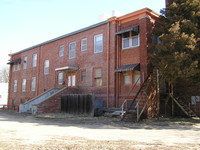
(53, 104)
(112, 91)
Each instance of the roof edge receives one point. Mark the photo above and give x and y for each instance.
(63, 36)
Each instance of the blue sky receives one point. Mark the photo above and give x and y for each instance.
(24, 23)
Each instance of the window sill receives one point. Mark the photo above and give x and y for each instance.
(130, 48)
(97, 52)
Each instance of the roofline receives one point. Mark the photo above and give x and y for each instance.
(135, 13)
(63, 36)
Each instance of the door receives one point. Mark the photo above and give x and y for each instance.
(71, 80)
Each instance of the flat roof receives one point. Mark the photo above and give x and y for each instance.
(63, 36)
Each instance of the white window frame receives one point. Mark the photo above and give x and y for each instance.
(16, 67)
(72, 52)
(60, 78)
(24, 85)
(46, 67)
(33, 84)
(95, 44)
(83, 77)
(130, 38)
(84, 45)
(25, 62)
(61, 50)
(34, 61)
(15, 86)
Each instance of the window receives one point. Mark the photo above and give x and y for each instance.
(130, 39)
(72, 50)
(60, 78)
(34, 60)
(84, 44)
(25, 63)
(16, 67)
(98, 43)
(33, 84)
(24, 85)
(15, 85)
(83, 76)
(71, 80)
(136, 77)
(61, 51)
(46, 67)
(127, 78)
(98, 77)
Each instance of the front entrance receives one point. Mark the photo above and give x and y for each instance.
(71, 79)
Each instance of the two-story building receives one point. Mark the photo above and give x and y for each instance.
(105, 59)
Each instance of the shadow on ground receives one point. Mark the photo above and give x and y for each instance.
(63, 119)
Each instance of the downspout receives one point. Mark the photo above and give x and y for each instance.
(10, 83)
(118, 64)
(38, 69)
(108, 61)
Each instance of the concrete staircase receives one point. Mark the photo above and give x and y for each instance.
(28, 107)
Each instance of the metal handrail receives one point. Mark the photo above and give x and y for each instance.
(125, 101)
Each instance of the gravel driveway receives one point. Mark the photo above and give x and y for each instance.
(62, 131)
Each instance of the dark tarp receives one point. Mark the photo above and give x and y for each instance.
(128, 67)
(15, 61)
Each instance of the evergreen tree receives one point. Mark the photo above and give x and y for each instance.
(177, 55)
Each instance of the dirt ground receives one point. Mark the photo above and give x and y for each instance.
(62, 131)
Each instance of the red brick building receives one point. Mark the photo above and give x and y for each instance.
(105, 59)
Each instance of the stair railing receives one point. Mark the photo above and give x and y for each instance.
(125, 101)
(140, 89)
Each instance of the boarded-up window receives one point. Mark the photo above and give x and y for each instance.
(136, 77)
(127, 77)
(98, 77)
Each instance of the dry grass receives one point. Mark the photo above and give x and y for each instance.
(10, 140)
